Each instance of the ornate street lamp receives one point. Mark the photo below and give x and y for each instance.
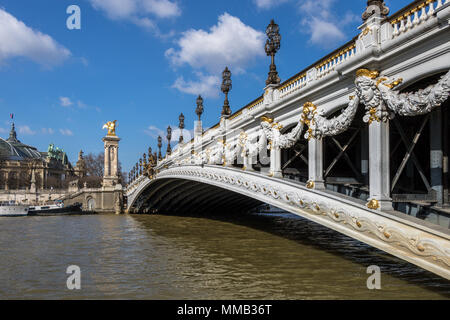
(169, 136)
(226, 87)
(271, 47)
(159, 148)
(181, 126)
(199, 110)
(140, 166)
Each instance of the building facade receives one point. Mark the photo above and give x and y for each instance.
(24, 167)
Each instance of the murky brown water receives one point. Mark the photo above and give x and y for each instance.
(171, 257)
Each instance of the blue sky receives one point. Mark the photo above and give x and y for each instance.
(143, 62)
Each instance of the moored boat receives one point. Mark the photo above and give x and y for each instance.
(12, 209)
(54, 209)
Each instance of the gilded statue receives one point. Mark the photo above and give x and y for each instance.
(111, 126)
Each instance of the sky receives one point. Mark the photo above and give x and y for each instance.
(143, 62)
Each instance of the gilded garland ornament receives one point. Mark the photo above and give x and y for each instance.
(319, 126)
(382, 101)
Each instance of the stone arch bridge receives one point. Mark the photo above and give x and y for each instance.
(358, 142)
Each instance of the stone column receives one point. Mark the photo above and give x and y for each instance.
(275, 162)
(315, 164)
(107, 161)
(436, 155)
(111, 175)
(379, 166)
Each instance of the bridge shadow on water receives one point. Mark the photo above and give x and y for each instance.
(311, 235)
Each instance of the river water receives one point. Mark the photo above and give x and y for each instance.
(255, 256)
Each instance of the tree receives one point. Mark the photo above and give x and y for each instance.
(94, 164)
(95, 168)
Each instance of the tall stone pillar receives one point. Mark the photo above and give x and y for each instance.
(315, 164)
(379, 166)
(111, 172)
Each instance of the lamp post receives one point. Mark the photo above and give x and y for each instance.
(159, 148)
(226, 87)
(199, 109)
(271, 47)
(181, 126)
(169, 136)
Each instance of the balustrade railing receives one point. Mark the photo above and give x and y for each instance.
(413, 15)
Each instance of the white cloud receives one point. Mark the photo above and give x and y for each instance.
(154, 132)
(48, 131)
(161, 8)
(136, 11)
(19, 40)
(229, 43)
(65, 101)
(206, 85)
(3, 130)
(267, 4)
(66, 132)
(26, 130)
(325, 26)
(324, 33)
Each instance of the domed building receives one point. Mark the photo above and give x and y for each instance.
(25, 167)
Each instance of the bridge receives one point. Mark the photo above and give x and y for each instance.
(357, 142)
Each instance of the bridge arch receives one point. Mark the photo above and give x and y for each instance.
(189, 195)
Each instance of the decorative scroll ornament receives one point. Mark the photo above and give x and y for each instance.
(320, 126)
(368, 93)
(271, 130)
(416, 103)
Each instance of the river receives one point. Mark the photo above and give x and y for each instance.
(253, 256)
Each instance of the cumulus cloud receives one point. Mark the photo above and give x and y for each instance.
(267, 4)
(26, 130)
(206, 85)
(66, 132)
(325, 27)
(229, 43)
(65, 102)
(19, 40)
(137, 11)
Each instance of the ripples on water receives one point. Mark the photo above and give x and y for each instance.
(255, 256)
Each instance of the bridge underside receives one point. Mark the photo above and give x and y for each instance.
(180, 196)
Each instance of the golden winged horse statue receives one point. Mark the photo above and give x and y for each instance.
(111, 126)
